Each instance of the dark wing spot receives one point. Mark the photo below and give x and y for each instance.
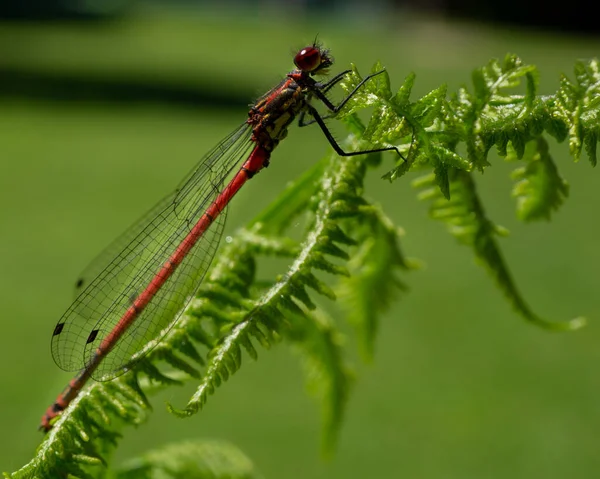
(79, 283)
(92, 336)
(58, 329)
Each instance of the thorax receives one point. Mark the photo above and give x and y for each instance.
(271, 115)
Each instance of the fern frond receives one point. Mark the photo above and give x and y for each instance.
(339, 197)
(396, 119)
(329, 377)
(575, 110)
(373, 282)
(191, 460)
(466, 220)
(224, 360)
(85, 435)
(539, 188)
(491, 115)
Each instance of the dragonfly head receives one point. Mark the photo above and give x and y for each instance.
(313, 60)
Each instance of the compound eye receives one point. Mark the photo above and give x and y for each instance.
(308, 59)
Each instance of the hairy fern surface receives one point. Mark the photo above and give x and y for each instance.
(350, 251)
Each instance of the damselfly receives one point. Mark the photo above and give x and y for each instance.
(136, 289)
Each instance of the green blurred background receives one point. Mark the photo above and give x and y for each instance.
(99, 119)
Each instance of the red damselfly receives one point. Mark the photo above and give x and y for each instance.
(138, 287)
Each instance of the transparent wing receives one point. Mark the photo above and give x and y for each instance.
(100, 262)
(115, 278)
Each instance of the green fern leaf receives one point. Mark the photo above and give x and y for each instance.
(577, 107)
(402, 97)
(373, 283)
(338, 198)
(328, 375)
(539, 188)
(429, 108)
(466, 220)
(224, 360)
(385, 126)
(190, 460)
